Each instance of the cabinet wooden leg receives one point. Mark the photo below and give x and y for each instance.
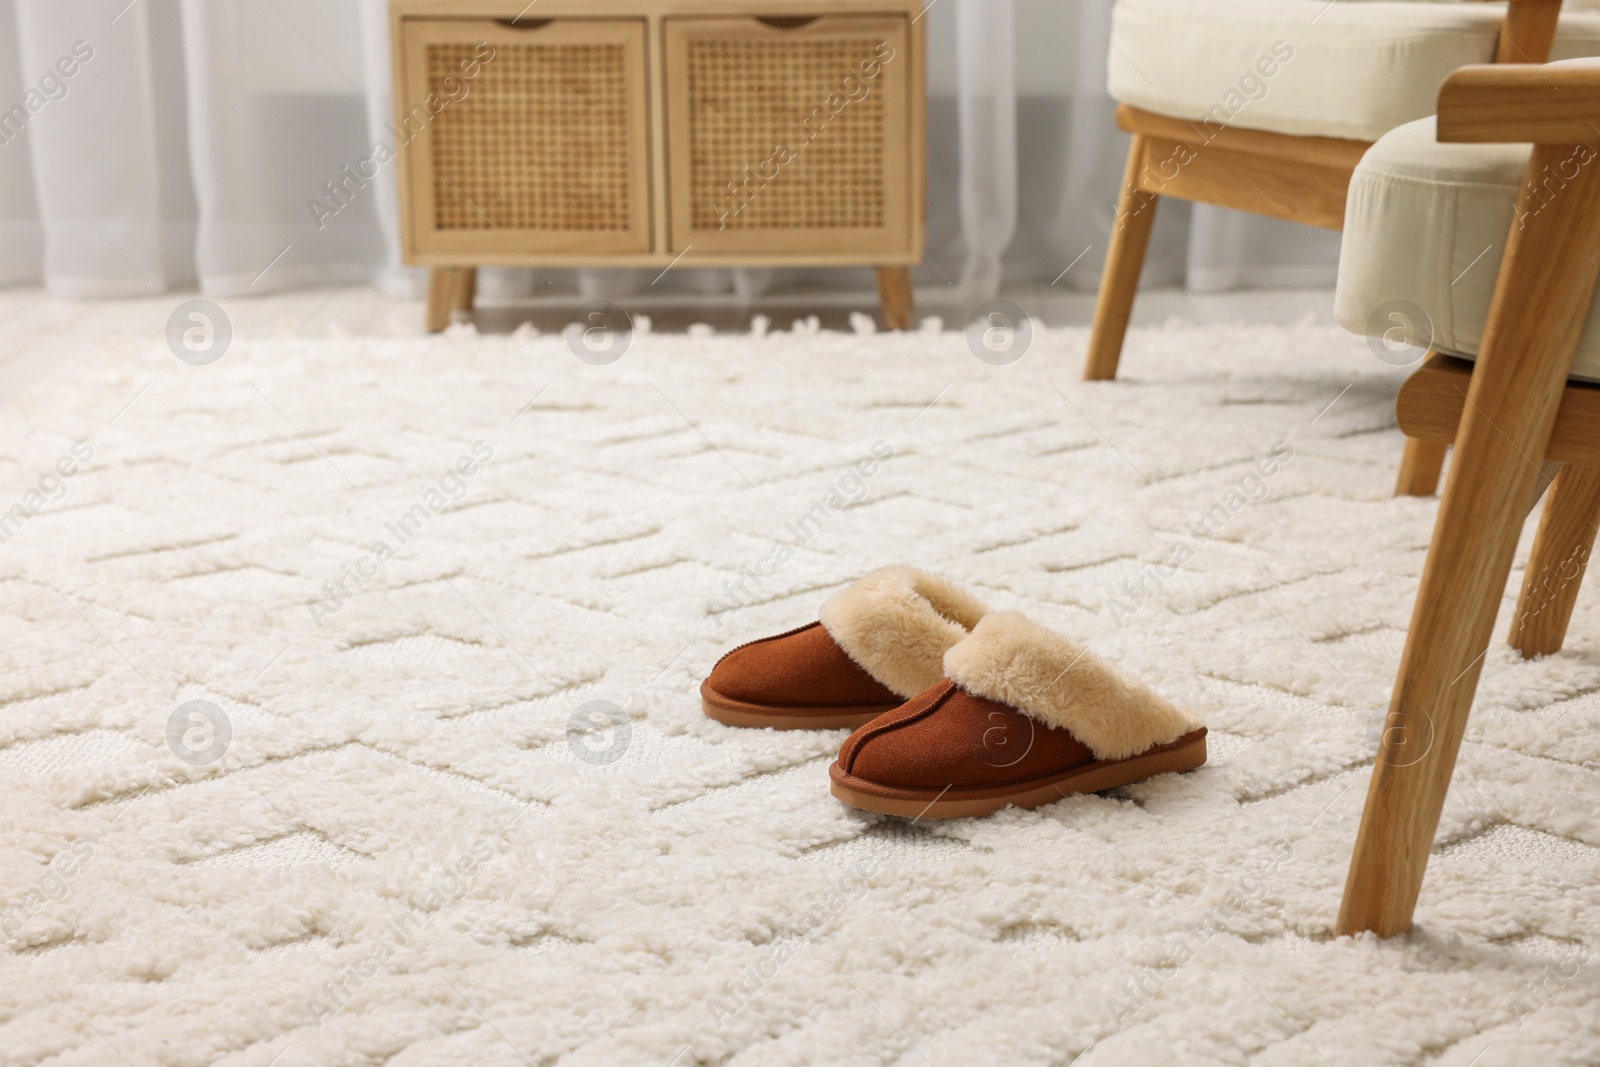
(1130, 236)
(1420, 465)
(466, 288)
(894, 294)
(1560, 557)
(443, 289)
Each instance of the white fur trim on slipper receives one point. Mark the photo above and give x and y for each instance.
(1016, 662)
(897, 623)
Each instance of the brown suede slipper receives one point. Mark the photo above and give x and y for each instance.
(1024, 717)
(880, 640)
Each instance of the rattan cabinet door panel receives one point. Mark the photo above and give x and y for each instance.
(544, 148)
(790, 137)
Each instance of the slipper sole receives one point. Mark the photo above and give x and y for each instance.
(1184, 754)
(788, 717)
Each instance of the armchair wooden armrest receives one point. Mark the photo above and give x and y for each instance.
(1517, 103)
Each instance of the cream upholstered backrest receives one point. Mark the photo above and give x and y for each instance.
(1350, 69)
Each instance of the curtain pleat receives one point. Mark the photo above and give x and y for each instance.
(987, 109)
(88, 89)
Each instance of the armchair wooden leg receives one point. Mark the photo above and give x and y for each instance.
(443, 292)
(1469, 560)
(1560, 557)
(894, 296)
(1546, 280)
(1130, 236)
(1420, 465)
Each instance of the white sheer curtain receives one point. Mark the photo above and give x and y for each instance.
(96, 185)
(987, 133)
(186, 142)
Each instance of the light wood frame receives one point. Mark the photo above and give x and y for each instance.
(1517, 396)
(891, 263)
(1429, 410)
(1301, 179)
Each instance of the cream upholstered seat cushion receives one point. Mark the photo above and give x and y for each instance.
(1347, 68)
(1425, 226)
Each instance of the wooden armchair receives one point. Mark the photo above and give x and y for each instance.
(1191, 141)
(1510, 414)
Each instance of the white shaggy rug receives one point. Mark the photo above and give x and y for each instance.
(412, 837)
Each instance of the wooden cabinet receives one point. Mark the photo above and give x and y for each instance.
(659, 132)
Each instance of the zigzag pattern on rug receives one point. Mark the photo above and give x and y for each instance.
(477, 817)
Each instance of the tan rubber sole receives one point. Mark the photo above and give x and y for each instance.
(968, 803)
(755, 716)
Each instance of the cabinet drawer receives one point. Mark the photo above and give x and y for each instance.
(790, 136)
(544, 148)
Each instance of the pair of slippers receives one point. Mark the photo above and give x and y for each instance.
(957, 711)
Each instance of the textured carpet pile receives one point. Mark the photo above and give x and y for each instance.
(348, 714)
